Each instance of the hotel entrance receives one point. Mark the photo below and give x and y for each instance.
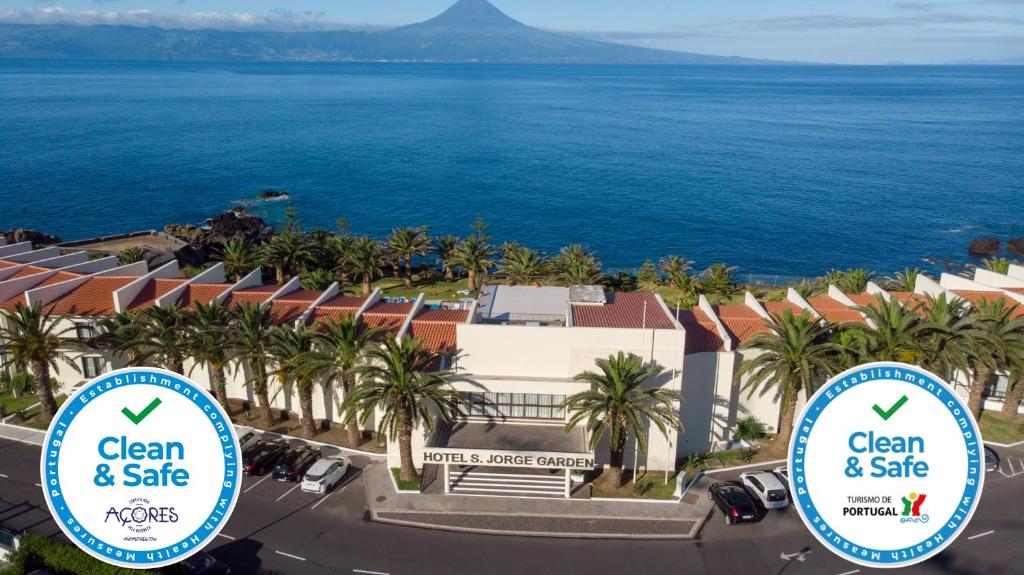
(508, 459)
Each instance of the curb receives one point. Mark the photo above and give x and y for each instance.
(1004, 445)
(748, 466)
(369, 454)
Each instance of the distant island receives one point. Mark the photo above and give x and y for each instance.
(469, 31)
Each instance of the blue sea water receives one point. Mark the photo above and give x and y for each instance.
(778, 170)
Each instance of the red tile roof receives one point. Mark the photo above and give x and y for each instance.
(391, 308)
(254, 295)
(834, 310)
(443, 315)
(95, 297)
(776, 308)
(5, 264)
(154, 289)
(28, 271)
(336, 308)
(863, 298)
(58, 277)
(289, 307)
(979, 297)
(741, 322)
(701, 331)
(195, 294)
(437, 336)
(623, 310)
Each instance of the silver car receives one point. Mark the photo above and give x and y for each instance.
(325, 474)
(767, 488)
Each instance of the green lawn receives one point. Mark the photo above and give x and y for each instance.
(649, 486)
(1000, 428)
(31, 418)
(435, 289)
(405, 485)
(11, 405)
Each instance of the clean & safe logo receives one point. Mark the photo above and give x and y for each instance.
(886, 465)
(140, 468)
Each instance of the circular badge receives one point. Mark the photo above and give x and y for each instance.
(141, 468)
(886, 465)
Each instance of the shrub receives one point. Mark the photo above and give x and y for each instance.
(749, 429)
(38, 552)
(696, 460)
(747, 455)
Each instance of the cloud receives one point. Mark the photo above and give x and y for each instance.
(835, 22)
(279, 20)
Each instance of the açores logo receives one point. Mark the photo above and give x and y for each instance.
(141, 468)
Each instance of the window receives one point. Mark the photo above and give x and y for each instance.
(995, 387)
(85, 330)
(93, 366)
(513, 405)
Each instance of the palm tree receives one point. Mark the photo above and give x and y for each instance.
(130, 256)
(677, 270)
(340, 349)
(524, 265)
(717, 280)
(367, 260)
(831, 277)
(249, 332)
(896, 331)
(239, 257)
(288, 253)
(474, 256)
(446, 249)
(341, 248)
(998, 265)
(617, 404)
(396, 379)
(35, 338)
(795, 355)
(1015, 387)
(317, 280)
(806, 288)
(404, 243)
(577, 265)
(855, 280)
(207, 343)
(944, 340)
(163, 338)
(905, 280)
(119, 335)
(998, 342)
(289, 346)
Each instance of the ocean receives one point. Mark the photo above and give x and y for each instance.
(776, 170)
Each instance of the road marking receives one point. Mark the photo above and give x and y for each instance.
(851, 572)
(322, 499)
(38, 485)
(370, 572)
(289, 491)
(4, 476)
(253, 486)
(981, 535)
(225, 536)
(290, 555)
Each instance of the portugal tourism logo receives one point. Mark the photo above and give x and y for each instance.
(886, 465)
(141, 468)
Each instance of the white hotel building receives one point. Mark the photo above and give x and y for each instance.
(514, 351)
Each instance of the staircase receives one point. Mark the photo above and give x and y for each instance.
(470, 482)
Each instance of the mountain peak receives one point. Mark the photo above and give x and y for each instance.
(476, 14)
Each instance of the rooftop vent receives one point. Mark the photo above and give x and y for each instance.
(587, 295)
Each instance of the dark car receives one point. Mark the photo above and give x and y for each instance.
(262, 458)
(203, 564)
(991, 459)
(734, 501)
(293, 465)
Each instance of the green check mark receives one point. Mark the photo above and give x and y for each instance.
(887, 413)
(136, 419)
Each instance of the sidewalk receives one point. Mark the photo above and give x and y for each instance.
(588, 518)
(22, 434)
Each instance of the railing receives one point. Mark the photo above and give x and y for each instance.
(522, 319)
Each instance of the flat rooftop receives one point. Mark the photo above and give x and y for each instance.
(523, 304)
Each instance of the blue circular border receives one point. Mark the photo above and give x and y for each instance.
(206, 531)
(802, 430)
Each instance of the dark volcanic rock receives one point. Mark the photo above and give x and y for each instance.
(204, 242)
(984, 246)
(1016, 246)
(273, 195)
(38, 239)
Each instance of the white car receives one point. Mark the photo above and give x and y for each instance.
(767, 488)
(247, 437)
(782, 472)
(325, 474)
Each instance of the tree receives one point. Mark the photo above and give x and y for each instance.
(339, 351)
(404, 243)
(717, 280)
(895, 333)
(677, 270)
(1015, 388)
(647, 277)
(239, 257)
(396, 379)
(998, 265)
(341, 248)
(446, 250)
(524, 265)
(998, 342)
(130, 256)
(577, 265)
(367, 260)
(207, 342)
(249, 332)
(794, 356)
(288, 253)
(806, 288)
(35, 338)
(474, 256)
(617, 405)
(120, 335)
(317, 280)
(289, 346)
(905, 280)
(945, 341)
(855, 280)
(163, 339)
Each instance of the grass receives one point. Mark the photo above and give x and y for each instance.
(10, 404)
(650, 485)
(1001, 428)
(432, 288)
(32, 418)
(414, 485)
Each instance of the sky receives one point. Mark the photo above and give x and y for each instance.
(848, 31)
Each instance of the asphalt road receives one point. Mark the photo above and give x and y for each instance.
(278, 529)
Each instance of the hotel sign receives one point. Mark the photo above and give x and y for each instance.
(497, 458)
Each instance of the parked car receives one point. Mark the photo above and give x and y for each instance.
(325, 474)
(294, 464)
(767, 488)
(203, 564)
(262, 457)
(782, 472)
(991, 459)
(734, 501)
(247, 438)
